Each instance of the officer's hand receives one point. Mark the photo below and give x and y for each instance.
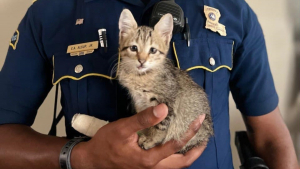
(177, 161)
(115, 144)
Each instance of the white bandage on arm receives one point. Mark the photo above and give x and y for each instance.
(87, 125)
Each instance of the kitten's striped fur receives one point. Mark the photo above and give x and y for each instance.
(152, 79)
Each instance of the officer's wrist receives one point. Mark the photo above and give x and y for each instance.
(79, 156)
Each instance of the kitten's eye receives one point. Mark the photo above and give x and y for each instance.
(133, 48)
(153, 50)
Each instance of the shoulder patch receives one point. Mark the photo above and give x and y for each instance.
(14, 40)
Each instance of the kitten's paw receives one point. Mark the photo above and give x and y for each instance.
(144, 142)
(148, 143)
(142, 139)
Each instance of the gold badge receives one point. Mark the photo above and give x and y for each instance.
(14, 40)
(212, 20)
(83, 48)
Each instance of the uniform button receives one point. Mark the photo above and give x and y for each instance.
(78, 69)
(212, 61)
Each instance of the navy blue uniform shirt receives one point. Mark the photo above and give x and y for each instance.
(37, 59)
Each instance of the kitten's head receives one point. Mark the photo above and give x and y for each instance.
(143, 48)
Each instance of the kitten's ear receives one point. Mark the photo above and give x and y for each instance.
(165, 27)
(126, 23)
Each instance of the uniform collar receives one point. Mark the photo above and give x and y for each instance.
(133, 2)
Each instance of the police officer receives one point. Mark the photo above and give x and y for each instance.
(228, 55)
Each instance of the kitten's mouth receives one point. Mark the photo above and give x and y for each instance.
(141, 67)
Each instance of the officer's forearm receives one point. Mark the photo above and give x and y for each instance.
(278, 154)
(22, 147)
(272, 141)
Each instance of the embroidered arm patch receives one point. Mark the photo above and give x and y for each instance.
(14, 40)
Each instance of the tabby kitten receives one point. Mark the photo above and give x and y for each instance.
(152, 79)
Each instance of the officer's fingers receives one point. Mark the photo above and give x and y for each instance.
(181, 160)
(172, 146)
(194, 153)
(145, 119)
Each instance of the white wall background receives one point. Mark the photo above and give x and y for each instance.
(280, 21)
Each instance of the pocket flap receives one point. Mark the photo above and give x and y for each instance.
(204, 53)
(79, 67)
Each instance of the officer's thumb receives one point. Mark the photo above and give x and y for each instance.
(147, 118)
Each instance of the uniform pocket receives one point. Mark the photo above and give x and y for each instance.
(87, 85)
(209, 62)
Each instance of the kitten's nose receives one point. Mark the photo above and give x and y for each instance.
(142, 61)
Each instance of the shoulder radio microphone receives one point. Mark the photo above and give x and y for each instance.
(180, 22)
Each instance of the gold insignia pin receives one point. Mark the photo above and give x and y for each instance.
(212, 20)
